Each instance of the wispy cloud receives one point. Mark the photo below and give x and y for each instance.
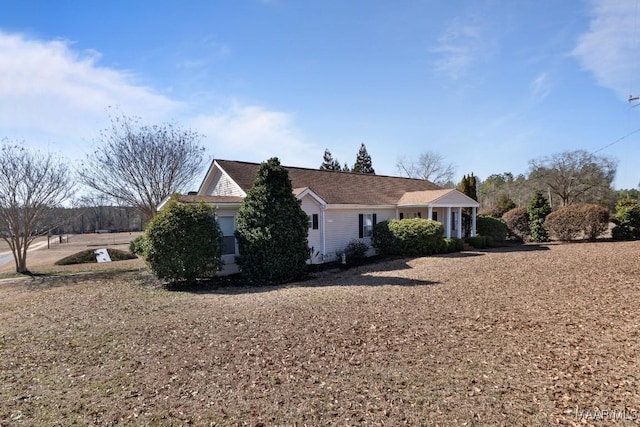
(610, 48)
(541, 86)
(460, 45)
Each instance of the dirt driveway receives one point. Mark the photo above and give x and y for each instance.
(545, 335)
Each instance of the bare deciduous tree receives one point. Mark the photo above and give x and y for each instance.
(142, 165)
(574, 176)
(31, 184)
(429, 165)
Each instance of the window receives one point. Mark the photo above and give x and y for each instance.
(417, 215)
(228, 226)
(401, 215)
(313, 221)
(366, 223)
(434, 216)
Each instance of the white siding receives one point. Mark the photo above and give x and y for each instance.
(342, 226)
(222, 185)
(310, 206)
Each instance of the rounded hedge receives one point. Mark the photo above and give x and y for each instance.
(495, 228)
(517, 221)
(572, 221)
(411, 236)
(183, 242)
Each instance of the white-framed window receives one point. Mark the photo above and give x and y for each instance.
(228, 228)
(366, 223)
(314, 222)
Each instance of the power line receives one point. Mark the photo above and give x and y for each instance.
(617, 140)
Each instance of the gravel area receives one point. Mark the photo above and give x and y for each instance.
(527, 335)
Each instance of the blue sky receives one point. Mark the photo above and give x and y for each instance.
(488, 84)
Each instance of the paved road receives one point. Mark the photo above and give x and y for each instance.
(6, 257)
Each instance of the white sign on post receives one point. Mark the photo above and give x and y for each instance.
(102, 255)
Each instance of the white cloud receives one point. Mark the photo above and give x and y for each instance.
(48, 90)
(460, 45)
(609, 49)
(253, 133)
(55, 98)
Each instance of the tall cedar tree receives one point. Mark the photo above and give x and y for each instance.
(538, 210)
(363, 162)
(329, 163)
(272, 228)
(468, 187)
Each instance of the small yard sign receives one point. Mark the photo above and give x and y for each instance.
(102, 255)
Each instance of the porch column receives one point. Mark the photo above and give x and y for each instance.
(473, 221)
(447, 225)
(429, 212)
(459, 224)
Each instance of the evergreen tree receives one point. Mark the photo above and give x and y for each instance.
(329, 163)
(468, 187)
(346, 168)
(363, 162)
(538, 210)
(272, 228)
(327, 160)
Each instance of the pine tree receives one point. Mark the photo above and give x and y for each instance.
(363, 162)
(329, 163)
(272, 228)
(538, 210)
(468, 187)
(346, 168)
(327, 160)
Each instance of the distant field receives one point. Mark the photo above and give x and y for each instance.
(549, 335)
(43, 259)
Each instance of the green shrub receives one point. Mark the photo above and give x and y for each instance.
(88, 256)
(449, 245)
(138, 245)
(492, 227)
(411, 236)
(356, 250)
(627, 220)
(183, 242)
(538, 210)
(517, 221)
(416, 236)
(480, 242)
(272, 229)
(382, 239)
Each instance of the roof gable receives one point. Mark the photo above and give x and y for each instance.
(437, 198)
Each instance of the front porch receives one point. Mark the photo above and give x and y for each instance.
(445, 206)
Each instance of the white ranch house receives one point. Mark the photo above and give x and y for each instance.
(341, 206)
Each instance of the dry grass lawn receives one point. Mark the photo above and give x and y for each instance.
(544, 336)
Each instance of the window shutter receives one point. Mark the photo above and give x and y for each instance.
(401, 215)
(315, 221)
(361, 226)
(375, 219)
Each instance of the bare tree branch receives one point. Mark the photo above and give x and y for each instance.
(429, 166)
(31, 183)
(574, 176)
(141, 165)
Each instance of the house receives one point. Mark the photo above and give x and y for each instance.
(341, 206)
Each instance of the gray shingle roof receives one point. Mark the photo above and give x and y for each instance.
(335, 187)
